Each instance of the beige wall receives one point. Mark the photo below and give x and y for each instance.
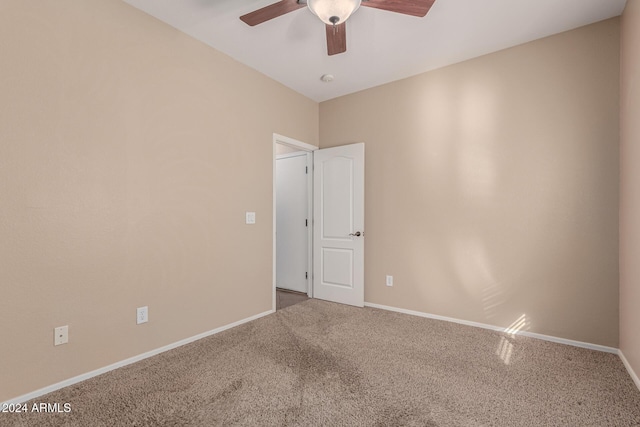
(128, 155)
(492, 186)
(629, 184)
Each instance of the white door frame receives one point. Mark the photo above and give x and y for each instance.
(300, 146)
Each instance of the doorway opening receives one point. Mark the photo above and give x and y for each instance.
(286, 298)
(292, 221)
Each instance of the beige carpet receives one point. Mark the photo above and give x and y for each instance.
(324, 364)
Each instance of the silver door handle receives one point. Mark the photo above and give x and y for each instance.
(357, 234)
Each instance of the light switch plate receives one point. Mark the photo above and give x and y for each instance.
(250, 217)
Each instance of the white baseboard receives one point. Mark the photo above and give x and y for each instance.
(86, 376)
(498, 328)
(627, 365)
(82, 377)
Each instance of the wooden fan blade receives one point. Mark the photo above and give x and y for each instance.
(272, 11)
(408, 7)
(336, 38)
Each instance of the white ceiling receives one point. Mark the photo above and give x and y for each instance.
(381, 46)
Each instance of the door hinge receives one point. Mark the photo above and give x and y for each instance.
(306, 274)
(306, 222)
(306, 169)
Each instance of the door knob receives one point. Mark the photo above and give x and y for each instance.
(357, 234)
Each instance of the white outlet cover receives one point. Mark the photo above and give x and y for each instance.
(61, 335)
(142, 315)
(389, 280)
(250, 217)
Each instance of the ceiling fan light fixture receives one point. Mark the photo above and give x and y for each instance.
(333, 12)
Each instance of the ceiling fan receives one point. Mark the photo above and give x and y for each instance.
(334, 13)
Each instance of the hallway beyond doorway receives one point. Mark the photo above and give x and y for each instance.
(286, 298)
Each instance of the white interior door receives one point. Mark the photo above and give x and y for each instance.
(291, 222)
(338, 242)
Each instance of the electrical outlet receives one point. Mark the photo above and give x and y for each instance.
(250, 217)
(61, 335)
(142, 315)
(389, 280)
